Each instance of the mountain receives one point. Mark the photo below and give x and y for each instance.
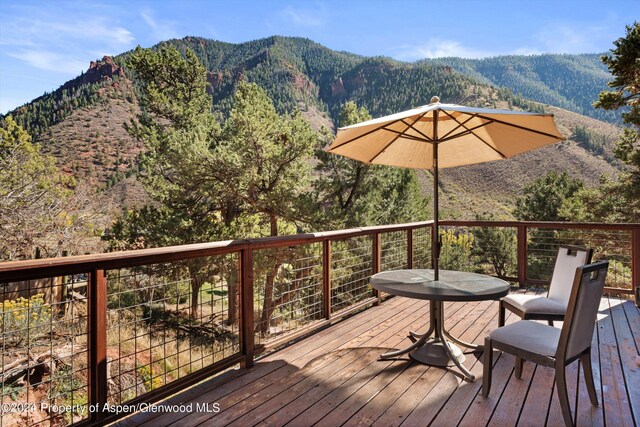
(572, 82)
(300, 73)
(81, 123)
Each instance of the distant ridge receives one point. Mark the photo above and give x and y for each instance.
(572, 82)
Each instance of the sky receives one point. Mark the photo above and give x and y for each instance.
(43, 44)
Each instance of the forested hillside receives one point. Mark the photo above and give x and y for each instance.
(295, 72)
(572, 82)
(298, 73)
(83, 123)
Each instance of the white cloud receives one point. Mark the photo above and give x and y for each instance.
(36, 32)
(556, 37)
(51, 61)
(439, 48)
(48, 39)
(307, 18)
(161, 29)
(562, 38)
(94, 28)
(146, 15)
(527, 51)
(10, 40)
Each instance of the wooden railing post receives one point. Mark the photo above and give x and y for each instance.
(97, 354)
(522, 255)
(326, 279)
(410, 248)
(635, 263)
(246, 297)
(376, 259)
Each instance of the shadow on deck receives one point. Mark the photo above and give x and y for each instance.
(334, 378)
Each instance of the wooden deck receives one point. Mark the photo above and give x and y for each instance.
(333, 378)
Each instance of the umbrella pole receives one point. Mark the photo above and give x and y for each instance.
(435, 237)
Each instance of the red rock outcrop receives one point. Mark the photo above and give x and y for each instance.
(98, 71)
(337, 88)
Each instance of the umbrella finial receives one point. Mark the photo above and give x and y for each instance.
(435, 100)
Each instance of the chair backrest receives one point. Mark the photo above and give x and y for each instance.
(586, 292)
(569, 258)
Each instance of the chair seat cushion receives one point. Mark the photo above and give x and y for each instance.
(530, 336)
(530, 304)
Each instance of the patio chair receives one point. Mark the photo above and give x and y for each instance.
(554, 305)
(553, 347)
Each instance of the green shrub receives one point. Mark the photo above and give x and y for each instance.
(23, 320)
(456, 250)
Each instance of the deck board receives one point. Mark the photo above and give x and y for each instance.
(589, 415)
(616, 404)
(334, 378)
(628, 357)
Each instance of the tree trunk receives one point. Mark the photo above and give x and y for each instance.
(273, 221)
(231, 212)
(232, 296)
(268, 305)
(292, 293)
(360, 171)
(196, 284)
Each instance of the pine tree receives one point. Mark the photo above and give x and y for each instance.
(353, 193)
(624, 63)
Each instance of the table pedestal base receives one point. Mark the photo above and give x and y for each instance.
(433, 353)
(433, 347)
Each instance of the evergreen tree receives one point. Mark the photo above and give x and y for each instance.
(543, 198)
(617, 200)
(210, 182)
(177, 128)
(353, 193)
(262, 159)
(623, 196)
(261, 162)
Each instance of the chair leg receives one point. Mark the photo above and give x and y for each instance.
(487, 361)
(585, 360)
(550, 322)
(500, 314)
(518, 371)
(563, 396)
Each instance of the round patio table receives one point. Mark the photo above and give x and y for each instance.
(436, 346)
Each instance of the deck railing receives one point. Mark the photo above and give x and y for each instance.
(124, 328)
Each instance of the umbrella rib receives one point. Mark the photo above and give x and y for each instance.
(413, 138)
(426, 138)
(444, 137)
(520, 127)
(476, 135)
(467, 131)
(368, 133)
(409, 125)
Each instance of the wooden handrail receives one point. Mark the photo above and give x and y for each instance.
(544, 224)
(48, 267)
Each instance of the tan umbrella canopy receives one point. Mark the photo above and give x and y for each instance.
(443, 136)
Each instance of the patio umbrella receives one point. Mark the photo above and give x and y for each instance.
(439, 136)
